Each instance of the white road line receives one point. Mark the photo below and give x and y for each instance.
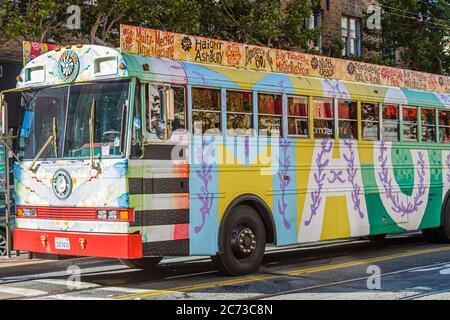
(63, 282)
(123, 289)
(24, 292)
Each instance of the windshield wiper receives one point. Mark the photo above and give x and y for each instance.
(38, 155)
(55, 142)
(91, 132)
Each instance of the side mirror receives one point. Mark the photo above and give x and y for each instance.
(170, 104)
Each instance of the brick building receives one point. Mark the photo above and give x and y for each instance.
(10, 63)
(342, 19)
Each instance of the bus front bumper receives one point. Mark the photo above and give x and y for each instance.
(124, 246)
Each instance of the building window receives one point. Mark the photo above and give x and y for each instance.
(323, 118)
(206, 111)
(270, 111)
(351, 36)
(314, 22)
(370, 121)
(348, 119)
(239, 113)
(428, 118)
(298, 116)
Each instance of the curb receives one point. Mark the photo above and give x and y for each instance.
(45, 266)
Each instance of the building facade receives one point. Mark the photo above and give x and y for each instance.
(10, 63)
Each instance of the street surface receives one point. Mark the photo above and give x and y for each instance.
(400, 267)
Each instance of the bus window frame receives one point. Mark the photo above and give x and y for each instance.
(424, 125)
(252, 113)
(333, 119)
(220, 111)
(398, 121)
(378, 122)
(416, 123)
(281, 116)
(308, 116)
(147, 135)
(339, 120)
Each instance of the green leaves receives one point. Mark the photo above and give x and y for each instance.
(415, 33)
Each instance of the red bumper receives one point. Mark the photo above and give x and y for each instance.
(125, 246)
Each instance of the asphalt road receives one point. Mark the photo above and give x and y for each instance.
(400, 267)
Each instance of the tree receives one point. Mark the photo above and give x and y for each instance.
(416, 31)
(33, 20)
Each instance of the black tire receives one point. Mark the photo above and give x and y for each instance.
(443, 232)
(143, 263)
(3, 247)
(376, 237)
(243, 240)
(431, 235)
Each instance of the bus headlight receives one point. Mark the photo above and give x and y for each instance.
(27, 212)
(112, 215)
(102, 215)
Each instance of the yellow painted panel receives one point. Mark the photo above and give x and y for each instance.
(335, 221)
(365, 149)
(237, 179)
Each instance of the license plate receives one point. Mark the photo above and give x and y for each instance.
(62, 243)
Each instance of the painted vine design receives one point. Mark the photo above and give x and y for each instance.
(399, 206)
(205, 196)
(352, 171)
(319, 177)
(284, 165)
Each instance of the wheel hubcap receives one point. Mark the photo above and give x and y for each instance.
(243, 241)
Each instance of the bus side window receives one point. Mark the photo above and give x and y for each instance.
(154, 104)
(136, 139)
(206, 111)
(409, 123)
(270, 114)
(370, 121)
(444, 126)
(179, 122)
(428, 118)
(298, 116)
(323, 112)
(348, 119)
(390, 123)
(239, 113)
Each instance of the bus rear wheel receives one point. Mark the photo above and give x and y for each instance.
(440, 234)
(243, 240)
(143, 263)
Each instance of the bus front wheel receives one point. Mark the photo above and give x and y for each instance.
(143, 263)
(243, 240)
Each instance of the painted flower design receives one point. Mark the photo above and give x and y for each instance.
(314, 63)
(233, 55)
(351, 68)
(186, 44)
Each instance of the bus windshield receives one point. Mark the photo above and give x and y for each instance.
(66, 111)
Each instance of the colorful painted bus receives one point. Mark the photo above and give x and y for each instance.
(141, 157)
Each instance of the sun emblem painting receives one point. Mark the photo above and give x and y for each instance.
(68, 66)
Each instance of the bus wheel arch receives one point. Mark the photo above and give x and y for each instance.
(261, 207)
(440, 234)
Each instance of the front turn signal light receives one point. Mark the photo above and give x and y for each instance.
(19, 212)
(123, 215)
